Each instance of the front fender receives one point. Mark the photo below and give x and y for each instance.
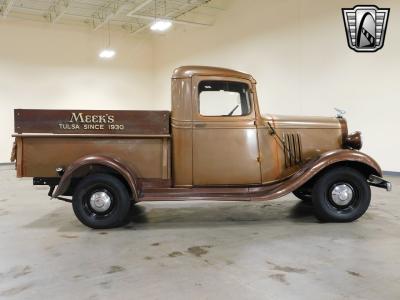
(101, 160)
(312, 168)
(344, 155)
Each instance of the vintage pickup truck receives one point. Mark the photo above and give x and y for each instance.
(215, 144)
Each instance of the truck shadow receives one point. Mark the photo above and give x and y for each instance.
(189, 214)
(199, 214)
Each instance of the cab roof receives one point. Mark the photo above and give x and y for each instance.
(189, 71)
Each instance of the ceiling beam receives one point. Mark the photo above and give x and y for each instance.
(57, 10)
(7, 7)
(139, 7)
(103, 17)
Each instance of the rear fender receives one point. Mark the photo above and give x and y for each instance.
(99, 160)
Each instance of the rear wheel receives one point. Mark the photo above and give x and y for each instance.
(101, 201)
(341, 195)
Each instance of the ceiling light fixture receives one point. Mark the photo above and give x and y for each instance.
(160, 24)
(107, 52)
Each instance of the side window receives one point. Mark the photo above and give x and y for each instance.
(224, 98)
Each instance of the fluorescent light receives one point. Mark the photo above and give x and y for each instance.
(107, 53)
(161, 25)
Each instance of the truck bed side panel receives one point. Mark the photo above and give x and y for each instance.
(48, 139)
(40, 156)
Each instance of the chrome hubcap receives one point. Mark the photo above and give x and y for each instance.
(342, 194)
(100, 201)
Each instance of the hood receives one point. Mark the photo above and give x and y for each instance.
(279, 121)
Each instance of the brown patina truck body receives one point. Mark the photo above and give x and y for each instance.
(185, 154)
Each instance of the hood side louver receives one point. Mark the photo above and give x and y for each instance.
(292, 149)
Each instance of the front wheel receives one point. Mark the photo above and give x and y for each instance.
(101, 201)
(341, 195)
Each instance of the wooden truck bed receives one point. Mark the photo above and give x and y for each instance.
(48, 139)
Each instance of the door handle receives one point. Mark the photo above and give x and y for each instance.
(200, 125)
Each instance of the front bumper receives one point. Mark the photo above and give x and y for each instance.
(379, 182)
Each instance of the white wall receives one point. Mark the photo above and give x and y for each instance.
(44, 66)
(298, 53)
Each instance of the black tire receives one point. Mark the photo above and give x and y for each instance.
(303, 195)
(118, 201)
(325, 199)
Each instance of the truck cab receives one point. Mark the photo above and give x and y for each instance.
(214, 128)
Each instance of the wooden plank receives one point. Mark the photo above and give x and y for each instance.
(91, 121)
(52, 135)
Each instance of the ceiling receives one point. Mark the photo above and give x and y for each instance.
(133, 16)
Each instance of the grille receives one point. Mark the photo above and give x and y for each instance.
(291, 149)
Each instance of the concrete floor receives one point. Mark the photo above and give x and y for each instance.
(196, 250)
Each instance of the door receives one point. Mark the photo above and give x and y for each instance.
(225, 145)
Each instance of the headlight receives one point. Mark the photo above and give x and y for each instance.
(353, 141)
